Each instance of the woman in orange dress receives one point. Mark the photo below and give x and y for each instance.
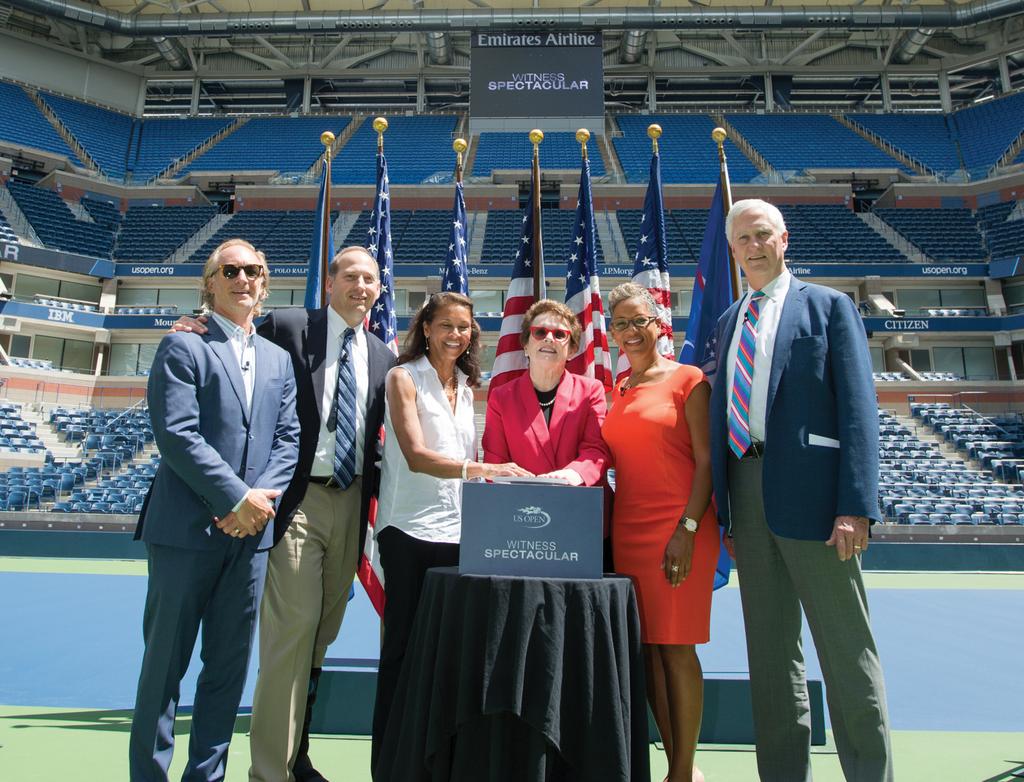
(664, 532)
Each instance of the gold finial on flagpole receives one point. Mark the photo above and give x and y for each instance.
(460, 146)
(327, 139)
(380, 125)
(718, 135)
(536, 136)
(654, 132)
(583, 136)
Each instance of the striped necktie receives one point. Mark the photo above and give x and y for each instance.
(344, 416)
(743, 379)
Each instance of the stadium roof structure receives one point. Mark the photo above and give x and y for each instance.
(659, 54)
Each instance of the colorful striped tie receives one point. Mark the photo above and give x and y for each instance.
(743, 379)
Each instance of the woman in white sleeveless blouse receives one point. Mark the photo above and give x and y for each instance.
(429, 449)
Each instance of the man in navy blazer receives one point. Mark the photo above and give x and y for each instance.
(794, 439)
(223, 410)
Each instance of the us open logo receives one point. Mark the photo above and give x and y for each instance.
(531, 517)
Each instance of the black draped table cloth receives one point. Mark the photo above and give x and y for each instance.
(520, 679)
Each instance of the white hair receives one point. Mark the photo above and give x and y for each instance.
(754, 204)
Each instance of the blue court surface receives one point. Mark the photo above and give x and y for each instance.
(951, 654)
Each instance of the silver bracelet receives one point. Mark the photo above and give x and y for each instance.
(465, 469)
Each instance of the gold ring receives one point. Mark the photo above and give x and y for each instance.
(675, 568)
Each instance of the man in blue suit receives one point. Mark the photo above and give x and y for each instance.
(223, 410)
(794, 439)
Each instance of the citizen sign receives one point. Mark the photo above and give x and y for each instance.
(10, 251)
(906, 325)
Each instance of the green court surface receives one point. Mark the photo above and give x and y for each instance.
(46, 745)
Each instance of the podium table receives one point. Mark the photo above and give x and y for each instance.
(510, 679)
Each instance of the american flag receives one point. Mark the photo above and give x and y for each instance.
(456, 276)
(650, 266)
(527, 278)
(383, 324)
(583, 290)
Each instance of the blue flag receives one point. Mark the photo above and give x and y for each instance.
(383, 322)
(321, 252)
(712, 292)
(456, 276)
(712, 295)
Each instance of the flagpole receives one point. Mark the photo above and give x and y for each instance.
(327, 139)
(719, 136)
(539, 283)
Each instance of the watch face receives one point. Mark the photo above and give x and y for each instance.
(690, 525)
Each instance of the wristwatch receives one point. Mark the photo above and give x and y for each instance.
(690, 525)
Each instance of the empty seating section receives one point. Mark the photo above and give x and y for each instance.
(16, 434)
(504, 227)
(104, 134)
(997, 441)
(683, 133)
(833, 234)
(104, 213)
(514, 151)
(152, 233)
(416, 237)
(930, 377)
(57, 226)
(987, 130)
(918, 485)
(284, 237)
(32, 363)
(416, 148)
(22, 123)
(679, 236)
(162, 141)
(925, 138)
(794, 142)
(1004, 236)
(942, 234)
(283, 144)
(6, 232)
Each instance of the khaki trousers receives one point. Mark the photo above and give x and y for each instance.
(304, 601)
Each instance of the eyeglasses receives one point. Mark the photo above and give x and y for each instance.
(540, 333)
(639, 323)
(252, 270)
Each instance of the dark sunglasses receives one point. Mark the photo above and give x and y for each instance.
(539, 333)
(252, 270)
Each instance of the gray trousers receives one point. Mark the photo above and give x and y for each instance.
(777, 576)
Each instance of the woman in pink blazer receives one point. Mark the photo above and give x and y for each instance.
(547, 420)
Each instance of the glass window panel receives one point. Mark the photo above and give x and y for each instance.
(963, 297)
(28, 285)
(401, 302)
(914, 300)
(948, 360)
(278, 298)
(486, 301)
(46, 348)
(681, 301)
(877, 359)
(185, 299)
(138, 297)
(80, 291)
(21, 345)
(979, 363)
(487, 357)
(1014, 295)
(77, 356)
(920, 360)
(147, 350)
(124, 359)
(416, 299)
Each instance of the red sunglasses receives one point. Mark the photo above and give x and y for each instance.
(540, 333)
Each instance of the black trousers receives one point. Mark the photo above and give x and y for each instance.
(405, 560)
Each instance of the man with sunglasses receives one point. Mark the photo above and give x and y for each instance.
(320, 527)
(223, 410)
(794, 451)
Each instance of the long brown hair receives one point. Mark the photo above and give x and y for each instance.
(416, 340)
